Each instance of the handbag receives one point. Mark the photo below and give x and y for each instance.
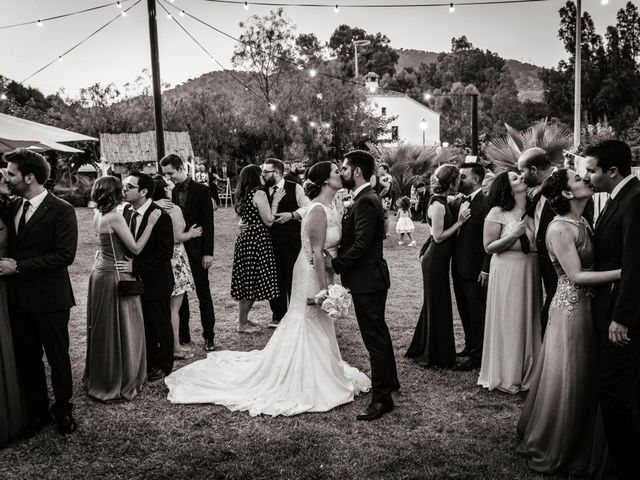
(126, 288)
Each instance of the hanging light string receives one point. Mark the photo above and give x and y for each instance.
(64, 15)
(336, 7)
(246, 87)
(60, 57)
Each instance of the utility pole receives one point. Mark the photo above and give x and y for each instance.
(577, 77)
(155, 74)
(474, 123)
(362, 43)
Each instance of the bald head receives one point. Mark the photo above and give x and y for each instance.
(534, 165)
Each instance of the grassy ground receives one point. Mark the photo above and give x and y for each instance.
(444, 426)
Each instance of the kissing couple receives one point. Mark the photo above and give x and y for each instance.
(301, 369)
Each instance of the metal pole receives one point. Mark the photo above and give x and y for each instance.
(577, 76)
(155, 74)
(474, 124)
(423, 137)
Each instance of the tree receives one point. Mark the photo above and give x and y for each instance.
(376, 57)
(267, 45)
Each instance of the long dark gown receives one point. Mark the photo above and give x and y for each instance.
(560, 427)
(433, 341)
(12, 407)
(116, 366)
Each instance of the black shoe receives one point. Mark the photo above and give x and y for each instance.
(274, 324)
(396, 387)
(375, 411)
(36, 426)
(209, 345)
(155, 374)
(463, 353)
(66, 424)
(466, 365)
(185, 341)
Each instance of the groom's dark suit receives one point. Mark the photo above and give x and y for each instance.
(364, 271)
(153, 266)
(40, 298)
(617, 245)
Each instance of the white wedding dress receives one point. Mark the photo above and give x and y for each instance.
(299, 370)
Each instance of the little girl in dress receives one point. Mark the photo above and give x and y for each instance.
(404, 226)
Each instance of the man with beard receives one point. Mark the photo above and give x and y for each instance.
(285, 232)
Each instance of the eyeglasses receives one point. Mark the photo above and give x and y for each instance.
(264, 172)
(128, 186)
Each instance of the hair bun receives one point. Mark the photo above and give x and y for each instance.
(311, 189)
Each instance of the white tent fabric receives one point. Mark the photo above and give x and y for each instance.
(44, 137)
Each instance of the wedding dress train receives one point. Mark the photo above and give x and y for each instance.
(299, 370)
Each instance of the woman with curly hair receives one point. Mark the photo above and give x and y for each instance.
(514, 296)
(115, 366)
(561, 429)
(433, 343)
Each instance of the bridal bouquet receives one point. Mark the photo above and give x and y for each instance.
(335, 301)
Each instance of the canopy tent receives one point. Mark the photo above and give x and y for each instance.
(17, 132)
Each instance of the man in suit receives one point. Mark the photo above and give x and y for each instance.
(43, 236)
(194, 200)
(364, 271)
(153, 266)
(285, 232)
(616, 308)
(470, 265)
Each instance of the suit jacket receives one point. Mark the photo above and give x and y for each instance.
(469, 257)
(198, 210)
(44, 249)
(153, 263)
(360, 260)
(617, 245)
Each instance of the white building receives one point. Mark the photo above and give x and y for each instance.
(413, 123)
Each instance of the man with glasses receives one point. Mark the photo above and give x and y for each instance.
(153, 266)
(285, 232)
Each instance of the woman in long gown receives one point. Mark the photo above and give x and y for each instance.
(12, 408)
(300, 369)
(433, 342)
(560, 427)
(115, 367)
(182, 277)
(514, 297)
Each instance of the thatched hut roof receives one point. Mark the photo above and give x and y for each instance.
(124, 148)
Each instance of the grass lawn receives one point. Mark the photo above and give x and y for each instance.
(444, 426)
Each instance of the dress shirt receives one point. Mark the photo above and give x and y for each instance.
(141, 211)
(301, 199)
(619, 187)
(359, 189)
(34, 204)
(467, 203)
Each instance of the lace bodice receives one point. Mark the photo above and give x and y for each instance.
(334, 231)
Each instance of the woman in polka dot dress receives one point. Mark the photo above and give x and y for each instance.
(253, 276)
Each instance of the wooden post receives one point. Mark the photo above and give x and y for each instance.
(155, 74)
(577, 76)
(474, 124)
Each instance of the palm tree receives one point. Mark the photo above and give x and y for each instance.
(552, 137)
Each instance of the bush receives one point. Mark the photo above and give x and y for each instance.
(78, 194)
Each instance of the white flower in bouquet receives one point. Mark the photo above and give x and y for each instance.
(337, 303)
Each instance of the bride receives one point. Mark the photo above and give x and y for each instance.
(300, 369)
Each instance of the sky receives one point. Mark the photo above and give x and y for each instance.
(119, 53)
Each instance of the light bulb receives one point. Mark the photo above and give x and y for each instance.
(3, 97)
(312, 124)
(246, 6)
(273, 107)
(169, 16)
(40, 24)
(124, 13)
(313, 72)
(451, 8)
(319, 96)
(427, 96)
(182, 13)
(336, 9)
(326, 124)
(213, 60)
(60, 59)
(300, 67)
(604, 2)
(118, 4)
(294, 118)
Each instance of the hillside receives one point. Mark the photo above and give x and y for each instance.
(524, 75)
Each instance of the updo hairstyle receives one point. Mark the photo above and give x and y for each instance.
(316, 176)
(107, 193)
(447, 176)
(552, 189)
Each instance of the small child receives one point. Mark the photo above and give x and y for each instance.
(404, 226)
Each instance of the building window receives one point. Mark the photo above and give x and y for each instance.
(394, 133)
(384, 111)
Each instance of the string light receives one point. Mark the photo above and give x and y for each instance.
(313, 72)
(604, 2)
(319, 96)
(300, 67)
(118, 4)
(427, 96)
(169, 16)
(326, 125)
(3, 97)
(451, 8)
(312, 124)
(40, 24)
(61, 59)
(124, 13)
(246, 6)
(272, 107)
(213, 59)
(336, 9)
(182, 13)
(294, 118)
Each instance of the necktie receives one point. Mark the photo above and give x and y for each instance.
(466, 198)
(604, 209)
(134, 223)
(23, 217)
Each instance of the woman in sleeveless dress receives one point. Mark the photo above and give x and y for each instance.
(560, 428)
(433, 343)
(300, 369)
(253, 275)
(115, 366)
(514, 295)
(182, 276)
(12, 407)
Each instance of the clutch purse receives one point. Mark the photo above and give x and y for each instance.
(126, 288)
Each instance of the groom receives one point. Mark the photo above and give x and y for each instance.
(364, 271)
